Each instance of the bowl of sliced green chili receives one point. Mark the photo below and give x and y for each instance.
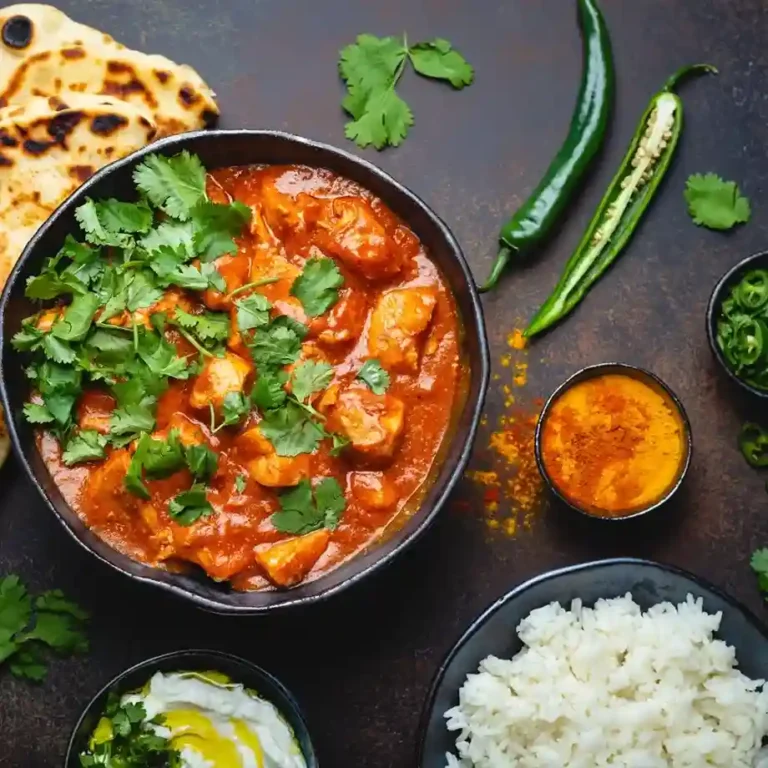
(737, 323)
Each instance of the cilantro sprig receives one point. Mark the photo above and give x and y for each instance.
(372, 66)
(125, 737)
(714, 203)
(375, 376)
(30, 625)
(305, 509)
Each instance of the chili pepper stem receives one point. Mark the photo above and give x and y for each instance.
(502, 259)
(690, 70)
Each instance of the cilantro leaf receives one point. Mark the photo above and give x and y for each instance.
(301, 513)
(375, 376)
(157, 458)
(277, 344)
(117, 216)
(241, 481)
(436, 58)
(715, 203)
(56, 622)
(207, 326)
(371, 63)
(234, 407)
(252, 312)
(202, 461)
(57, 350)
(330, 501)
(268, 391)
(55, 601)
(217, 224)
(338, 443)
(174, 184)
(36, 413)
(178, 236)
(133, 418)
(141, 291)
(317, 286)
(15, 608)
(96, 232)
(384, 118)
(28, 663)
(309, 377)
(160, 356)
(189, 506)
(291, 431)
(85, 445)
(76, 321)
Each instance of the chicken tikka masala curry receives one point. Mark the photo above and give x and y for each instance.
(251, 369)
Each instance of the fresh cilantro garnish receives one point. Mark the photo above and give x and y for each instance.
(189, 506)
(217, 224)
(338, 443)
(173, 184)
(252, 312)
(715, 203)
(240, 483)
(36, 413)
(133, 418)
(374, 376)
(27, 627)
(84, 445)
(234, 407)
(277, 344)
(291, 430)
(309, 377)
(202, 461)
(303, 510)
(759, 563)
(372, 67)
(269, 390)
(126, 739)
(157, 458)
(317, 286)
(76, 321)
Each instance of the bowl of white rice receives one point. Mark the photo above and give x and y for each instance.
(622, 663)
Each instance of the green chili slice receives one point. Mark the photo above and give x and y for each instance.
(752, 291)
(753, 443)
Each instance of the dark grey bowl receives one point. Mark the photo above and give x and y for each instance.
(647, 378)
(493, 633)
(240, 670)
(719, 294)
(225, 148)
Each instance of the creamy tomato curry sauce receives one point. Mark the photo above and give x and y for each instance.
(394, 307)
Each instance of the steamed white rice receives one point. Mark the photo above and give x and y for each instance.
(612, 686)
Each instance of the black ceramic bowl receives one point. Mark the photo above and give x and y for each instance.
(240, 670)
(226, 148)
(719, 294)
(652, 381)
(494, 632)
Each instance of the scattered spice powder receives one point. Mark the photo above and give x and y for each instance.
(512, 493)
(613, 444)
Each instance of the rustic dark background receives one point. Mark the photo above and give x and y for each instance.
(361, 664)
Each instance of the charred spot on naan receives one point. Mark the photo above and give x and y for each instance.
(18, 32)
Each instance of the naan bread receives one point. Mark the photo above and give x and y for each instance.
(46, 154)
(65, 57)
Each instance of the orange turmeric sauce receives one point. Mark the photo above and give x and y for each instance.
(613, 445)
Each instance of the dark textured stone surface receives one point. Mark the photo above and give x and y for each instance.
(361, 665)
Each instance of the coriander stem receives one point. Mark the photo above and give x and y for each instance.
(196, 344)
(110, 327)
(256, 284)
(213, 418)
(308, 408)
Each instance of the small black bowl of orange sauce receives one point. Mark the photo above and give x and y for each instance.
(613, 442)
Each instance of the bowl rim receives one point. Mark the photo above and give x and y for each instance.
(480, 371)
(485, 615)
(288, 698)
(713, 308)
(590, 372)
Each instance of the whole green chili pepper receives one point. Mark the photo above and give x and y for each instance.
(535, 219)
(622, 206)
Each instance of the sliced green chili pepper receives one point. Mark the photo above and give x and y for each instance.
(753, 443)
(752, 291)
(749, 341)
(623, 205)
(535, 219)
